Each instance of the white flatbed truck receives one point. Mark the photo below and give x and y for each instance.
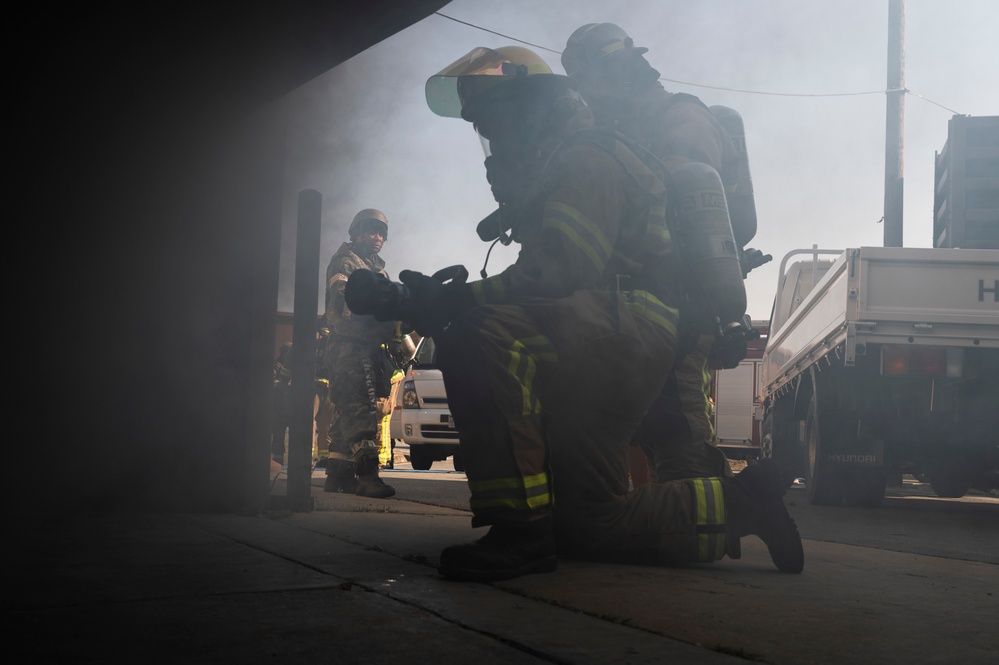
(883, 360)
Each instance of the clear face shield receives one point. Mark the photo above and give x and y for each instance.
(448, 90)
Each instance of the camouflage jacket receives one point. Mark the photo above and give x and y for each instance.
(341, 322)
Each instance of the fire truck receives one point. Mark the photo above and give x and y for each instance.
(737, 411)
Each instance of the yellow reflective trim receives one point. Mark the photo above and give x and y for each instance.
(489, 290)
(710, 510)
(514, 503)
(517, 482)
(716, 487)
(612, 47)
(647, 306)
(659, 231)
(598, 249)
(529, 503)
(701, 506)
(541, 348)
(512, 367)
(518, 493)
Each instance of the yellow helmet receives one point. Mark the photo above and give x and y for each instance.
(593, 41)
(450, 90)
(368, 214)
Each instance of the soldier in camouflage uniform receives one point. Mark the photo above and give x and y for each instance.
(357, 363)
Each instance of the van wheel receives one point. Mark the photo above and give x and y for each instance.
(821, 484)
(421, 458)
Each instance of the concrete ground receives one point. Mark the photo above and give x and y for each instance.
(355, 581)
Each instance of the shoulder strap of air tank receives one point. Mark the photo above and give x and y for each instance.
(608, 139)
(676, 97)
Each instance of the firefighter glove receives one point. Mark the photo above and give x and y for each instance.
(750, 258)
(731, 344)
(435, 303)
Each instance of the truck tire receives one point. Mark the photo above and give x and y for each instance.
(777, 443)
(951, 478)
(459, 463)
(421, 456)
(866, 487)
(821, 484)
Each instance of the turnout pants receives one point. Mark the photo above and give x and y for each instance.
(676, 433)
(547, 396)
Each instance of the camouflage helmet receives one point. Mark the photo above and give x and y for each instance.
(368, 214)
(593, 41)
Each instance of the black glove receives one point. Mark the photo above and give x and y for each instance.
(435, 303)
(750, 258)
(731, 343)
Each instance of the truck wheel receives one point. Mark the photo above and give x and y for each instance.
(866, 487)
(821, 484)
(776, 443)
(951, 479)
(422, 457)
(459, 464)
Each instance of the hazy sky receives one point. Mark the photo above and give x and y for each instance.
(363, 136)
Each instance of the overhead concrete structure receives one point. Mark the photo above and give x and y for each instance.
(151, 160)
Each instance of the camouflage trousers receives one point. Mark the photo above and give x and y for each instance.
(356, 434)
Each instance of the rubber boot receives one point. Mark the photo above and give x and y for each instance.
(754, 505)
(501, 554)
(368, 482)
(340, 476)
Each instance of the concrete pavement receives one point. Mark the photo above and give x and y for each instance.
(355, 581)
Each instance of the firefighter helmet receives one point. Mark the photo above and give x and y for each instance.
(368, 214)
(593, 41)
(455, 88)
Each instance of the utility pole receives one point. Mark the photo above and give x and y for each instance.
(894, 124)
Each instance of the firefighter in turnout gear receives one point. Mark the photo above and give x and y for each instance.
(359, 369)
(686, 138)
(550, 365)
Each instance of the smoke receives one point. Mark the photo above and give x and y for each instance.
(363, 135)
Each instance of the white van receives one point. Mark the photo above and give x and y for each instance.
(421, 417)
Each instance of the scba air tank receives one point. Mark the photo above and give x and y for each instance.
(739, 185)
(708, 246)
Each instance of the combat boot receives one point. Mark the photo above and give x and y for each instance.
(340, 476)
(369, 484)
(502, 554)
(754, 505)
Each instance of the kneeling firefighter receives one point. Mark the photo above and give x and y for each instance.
(550, 365)
(701, 153)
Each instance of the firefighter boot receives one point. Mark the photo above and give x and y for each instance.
(503, 553)
(368, 482)
(340, 476)
(755, 506)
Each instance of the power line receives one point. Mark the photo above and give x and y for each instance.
(717, 87)
(493, 32)
(785, 94)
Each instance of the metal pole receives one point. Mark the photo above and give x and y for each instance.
(303, 339)
(894, 124)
